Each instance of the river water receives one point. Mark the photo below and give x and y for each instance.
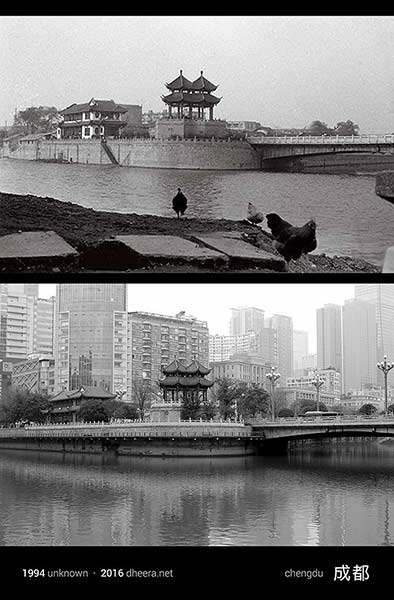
(351, 219)
(342, 494)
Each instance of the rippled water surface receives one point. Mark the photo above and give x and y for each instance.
(351, 219)
(337, 495)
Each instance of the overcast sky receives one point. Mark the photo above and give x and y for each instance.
(281, 71)
(212, 302)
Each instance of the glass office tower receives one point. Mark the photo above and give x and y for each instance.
(91, 336)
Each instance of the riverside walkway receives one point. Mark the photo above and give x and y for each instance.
(130, 430)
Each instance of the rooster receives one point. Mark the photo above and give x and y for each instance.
(179, 203)
(254, 216)
(291, 242)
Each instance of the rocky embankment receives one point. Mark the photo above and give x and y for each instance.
(85, 229)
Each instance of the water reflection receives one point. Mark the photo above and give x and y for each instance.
(315, 497)
(345, 207)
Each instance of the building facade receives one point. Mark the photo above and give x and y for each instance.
(300, 348)
(36, 375)
(359, 345)
(329, 337)
(246, 320)
(381, 296)
(331, 378)
(241, 368)
(283, 325)
(26, 327)
(91, 336)
(91, 120)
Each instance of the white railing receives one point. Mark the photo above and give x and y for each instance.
(130, 429)
(341, 420)
(323, 139)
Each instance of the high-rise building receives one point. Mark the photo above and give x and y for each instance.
(91, 336)
(359, 345)
(156, 340)
(283, 326)
(300, 347)
(381, 296)
(221, 347)
(26, 326)
(329, 337)
(246, 320)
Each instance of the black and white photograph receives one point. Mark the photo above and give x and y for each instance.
(128, 422)
(196, 143)
(196, 301)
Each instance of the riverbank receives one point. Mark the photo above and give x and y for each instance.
(86, 229)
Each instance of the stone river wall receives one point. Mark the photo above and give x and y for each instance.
(167, 154)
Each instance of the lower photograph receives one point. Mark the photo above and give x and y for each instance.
(214, 432)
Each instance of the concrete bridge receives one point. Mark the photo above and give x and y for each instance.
(276, 434)
(192, 438)
(277, 152)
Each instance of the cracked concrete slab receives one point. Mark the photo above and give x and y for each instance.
(241, 254)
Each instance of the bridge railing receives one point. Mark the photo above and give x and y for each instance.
(323, 139)
(344, 419)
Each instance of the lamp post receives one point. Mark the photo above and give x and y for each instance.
(385, 367)
(317, 382)
(273, 377)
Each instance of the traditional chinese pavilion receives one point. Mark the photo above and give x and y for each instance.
(188, 95)
(181, 382)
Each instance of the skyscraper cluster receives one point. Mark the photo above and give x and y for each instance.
(352, 338)
(85, 337)
(264, 340)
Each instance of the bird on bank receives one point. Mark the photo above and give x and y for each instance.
(179, 203)
(290, 241)
(254, 216)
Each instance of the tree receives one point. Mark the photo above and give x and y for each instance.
(191, 407)
(253, 400)
(367, 409)
(279, 402)
(207, 410)
(225, 393)
(23, 405)
(142, 393)
(390, 409)
(286, 412)
(346, 128)
(120, 410)
(318, 128)
(35, 119)
(93, 410)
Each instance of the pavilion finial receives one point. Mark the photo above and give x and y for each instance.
(202, 72)
(181, 71)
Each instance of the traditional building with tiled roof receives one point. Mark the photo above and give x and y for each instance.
(64, 406)
(186, 95)
(190, 106)
(93, 119)
(181, 383)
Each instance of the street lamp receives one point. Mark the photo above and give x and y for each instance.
(385, 367)
(273, 377)
(317, 382)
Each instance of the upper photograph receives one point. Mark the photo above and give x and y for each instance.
(196, 144)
